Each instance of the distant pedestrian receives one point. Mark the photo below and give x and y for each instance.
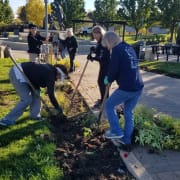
(71, 44)
(178, 35)
(62, 48)
(102, 55)
(39, 75)
(35, 40)
(123, 68)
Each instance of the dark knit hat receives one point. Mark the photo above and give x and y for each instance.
(31, 26)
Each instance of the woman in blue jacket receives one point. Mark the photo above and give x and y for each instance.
(123, 68)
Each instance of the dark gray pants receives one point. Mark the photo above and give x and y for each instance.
(27, 98)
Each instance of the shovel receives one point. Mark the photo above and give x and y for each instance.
(75, 90)
(102, 105)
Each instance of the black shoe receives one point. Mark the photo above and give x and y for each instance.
(71, 70)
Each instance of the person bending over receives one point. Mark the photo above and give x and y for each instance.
(39, 75)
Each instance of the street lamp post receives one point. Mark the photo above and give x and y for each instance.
(46, 27)
(46, 16)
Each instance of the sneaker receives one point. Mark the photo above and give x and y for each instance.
(38, 118)
(120, 140)
(109, 135)
(5, 122)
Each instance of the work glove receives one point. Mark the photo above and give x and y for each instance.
(106, 82)
(89, 57)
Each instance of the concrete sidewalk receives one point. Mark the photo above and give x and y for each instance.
(161, 93)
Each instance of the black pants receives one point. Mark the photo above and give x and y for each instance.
(72, 57)
(102, 86)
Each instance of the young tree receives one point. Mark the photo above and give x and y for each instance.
(136, 12)
(73, 9)
(170, 13)
(105, 10)
(22, 13)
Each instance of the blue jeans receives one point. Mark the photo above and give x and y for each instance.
(27, 98)
(129, 99)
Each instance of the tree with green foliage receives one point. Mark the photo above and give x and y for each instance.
(22, 13)
(105, 10)
(136, 12)
(73, 9)
(170, 13)
(6, 13)
(35, 11)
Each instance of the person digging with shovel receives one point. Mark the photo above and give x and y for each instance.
(123, 68)
(38, 75)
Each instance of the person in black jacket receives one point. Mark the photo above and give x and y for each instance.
(35, 40)
(178, 36)
(39, 75)
(102, 55)
(71, 44)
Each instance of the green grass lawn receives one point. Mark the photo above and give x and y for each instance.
(27, 148)
(171, 69)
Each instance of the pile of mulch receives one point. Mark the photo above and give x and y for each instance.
(85, 155)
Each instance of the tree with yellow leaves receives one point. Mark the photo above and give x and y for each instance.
(35, 11)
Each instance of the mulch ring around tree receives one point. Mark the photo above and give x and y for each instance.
(84, 153)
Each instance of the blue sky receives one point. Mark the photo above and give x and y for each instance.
(89, 4)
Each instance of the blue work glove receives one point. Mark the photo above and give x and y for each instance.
(106, 82)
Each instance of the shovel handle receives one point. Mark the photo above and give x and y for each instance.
(103, 102)
(82, 74)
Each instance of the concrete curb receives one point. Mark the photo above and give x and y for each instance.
(134, 166)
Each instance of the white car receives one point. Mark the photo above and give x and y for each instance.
(85, 30)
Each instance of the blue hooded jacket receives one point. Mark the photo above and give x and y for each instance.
(123, 68)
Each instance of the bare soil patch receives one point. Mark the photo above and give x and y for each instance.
(84, 153)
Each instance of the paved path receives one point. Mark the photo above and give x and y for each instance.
(161, 93)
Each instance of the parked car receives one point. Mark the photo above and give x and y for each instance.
(85, 30)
